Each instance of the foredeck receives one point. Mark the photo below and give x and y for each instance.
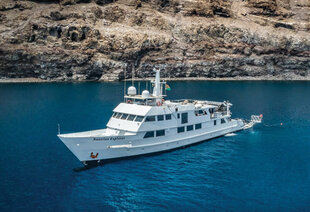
(96, 133)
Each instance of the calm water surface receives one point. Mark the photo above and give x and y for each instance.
(263, 169)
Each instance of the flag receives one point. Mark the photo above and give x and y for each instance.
(167, 87)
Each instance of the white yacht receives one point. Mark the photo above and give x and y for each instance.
(148, 123)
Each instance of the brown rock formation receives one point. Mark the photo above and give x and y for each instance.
(67, 40)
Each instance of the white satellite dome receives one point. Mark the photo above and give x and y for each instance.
(132, 91)
(145, 94)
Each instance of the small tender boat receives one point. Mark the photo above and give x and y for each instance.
(148, 123)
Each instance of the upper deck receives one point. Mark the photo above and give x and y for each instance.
(136, 117)
(145, 111)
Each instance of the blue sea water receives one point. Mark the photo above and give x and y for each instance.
(263, 169)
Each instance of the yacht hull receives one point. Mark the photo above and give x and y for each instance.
(90, 152)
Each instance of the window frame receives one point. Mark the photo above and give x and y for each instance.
(119, 115)
(160, 131)
(163, 117)
(198, 126)
(184, 119)
(126, 116)
(181, 129)
(152, 134)
(146, 119)
(188, 129)
(139, 117)
(131, 115)
(168, 115)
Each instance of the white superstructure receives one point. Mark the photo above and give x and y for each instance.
(147, 123)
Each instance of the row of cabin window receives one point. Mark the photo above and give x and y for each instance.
(203, 112)
(189, 128)
(151, 134)
(222, 121)
(128, 117)
(168, 117)
(200, 112)
(159, 118)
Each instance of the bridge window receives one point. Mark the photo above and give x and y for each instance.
(124, 116)
(119, 115)
(168, 117)
(139, 118)
(214, 122)
(160, 133)
(181, 129)
(200, 112)
(184, 118)
(150, 118)
(197, 126)
(178, 115)
(114, 115)
(160, 117)
(189, 127)
(223, 121)
(131, 117)
(149, 134)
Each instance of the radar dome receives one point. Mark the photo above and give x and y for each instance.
(145, 94)
(132, 91)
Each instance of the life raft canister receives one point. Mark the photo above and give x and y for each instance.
(94, 156)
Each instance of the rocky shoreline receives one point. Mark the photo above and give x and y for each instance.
(36, 80)
(105, 40)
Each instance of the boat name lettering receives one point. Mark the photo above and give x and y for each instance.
(109, 139)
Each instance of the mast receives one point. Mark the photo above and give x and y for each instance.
(157, 90)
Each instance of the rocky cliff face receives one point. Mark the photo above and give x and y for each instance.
(77, 40)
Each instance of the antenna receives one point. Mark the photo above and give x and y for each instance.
(58, 129)
(124, 83)
(132, 73)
